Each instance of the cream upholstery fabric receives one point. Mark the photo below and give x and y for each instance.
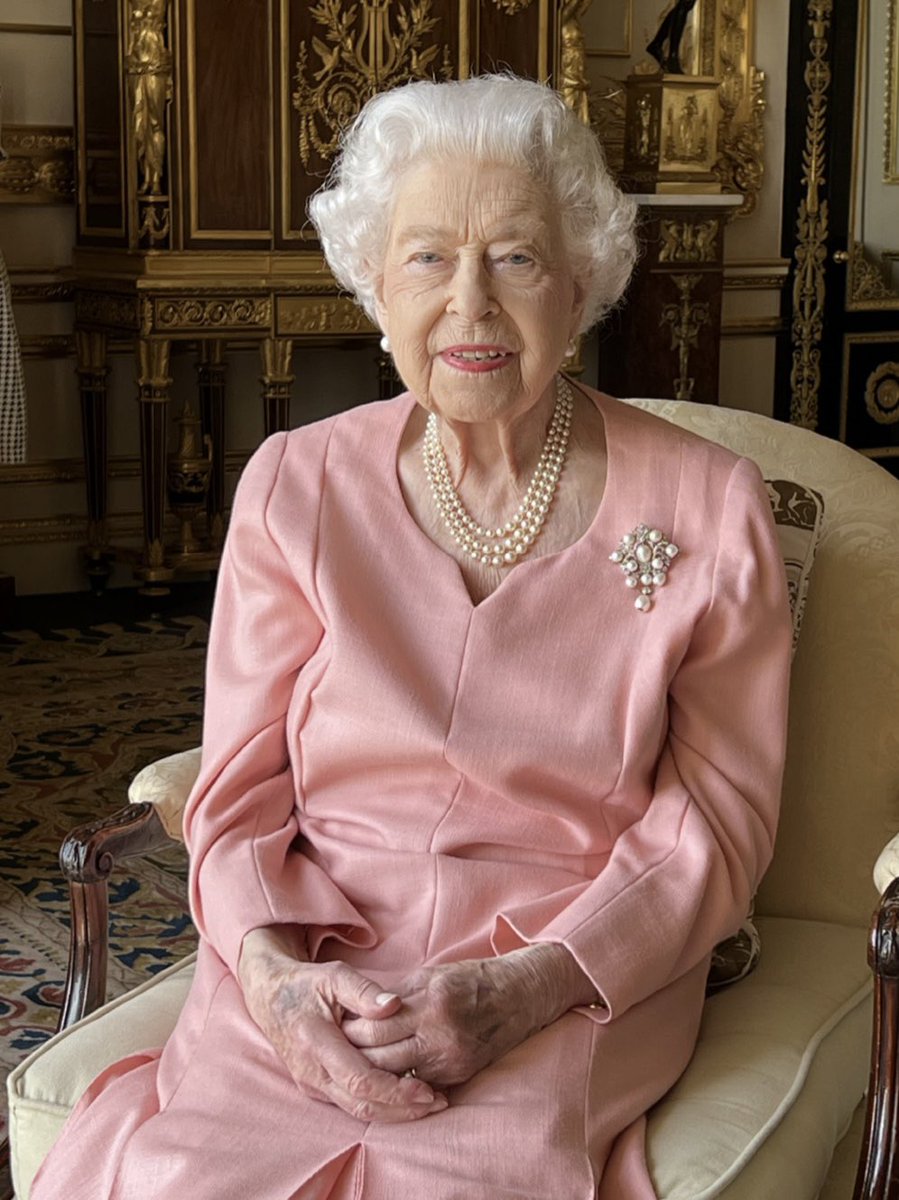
(167, 783)
(43, 1089)
(887, 866)
(782, 1059)
(756, 1114)
(841, 791)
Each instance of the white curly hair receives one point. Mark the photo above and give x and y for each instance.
(491, 118)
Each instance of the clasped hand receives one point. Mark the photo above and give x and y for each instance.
(348, 1042)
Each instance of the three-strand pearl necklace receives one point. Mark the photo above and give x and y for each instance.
(505, 545)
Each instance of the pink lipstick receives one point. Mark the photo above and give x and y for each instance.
(476, 357)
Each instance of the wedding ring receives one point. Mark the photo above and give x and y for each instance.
(410, 1074)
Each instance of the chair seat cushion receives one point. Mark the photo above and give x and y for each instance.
(780, 1066)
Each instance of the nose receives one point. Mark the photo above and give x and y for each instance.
(471, 294)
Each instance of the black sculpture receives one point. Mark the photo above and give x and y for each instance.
(665, 46)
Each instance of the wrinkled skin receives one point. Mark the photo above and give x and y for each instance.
(458, 1018)
(299, 1006)
(347, 1042)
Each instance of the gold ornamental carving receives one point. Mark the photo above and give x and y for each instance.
(149, 67)
(741, 163)
(688, 241)
(153, 374)
(512, 7)
(686, 318)
(687, 133)
(882, 393)
(276, 355)
(891, 97)
(105, 308)
(364, 48)
(297, 314)
(574, 86)
(192, 312)
(40, 167)
(866, 279)
(741, 137)
(812, 229)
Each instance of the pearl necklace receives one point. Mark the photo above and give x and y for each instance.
(506, 545)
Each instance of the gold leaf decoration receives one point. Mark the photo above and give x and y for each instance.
(362, 50)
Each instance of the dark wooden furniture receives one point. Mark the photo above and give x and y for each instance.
(202, 129)
(665, 339)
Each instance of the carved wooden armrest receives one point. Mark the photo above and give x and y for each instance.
(878, 1170)
(88, 857)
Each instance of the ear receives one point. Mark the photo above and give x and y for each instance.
(577, 308)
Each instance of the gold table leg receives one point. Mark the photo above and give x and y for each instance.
(153, 382)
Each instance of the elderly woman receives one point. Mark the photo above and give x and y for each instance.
(494, 724)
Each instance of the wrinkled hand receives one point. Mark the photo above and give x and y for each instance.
(457, 1018)
(299, 1007)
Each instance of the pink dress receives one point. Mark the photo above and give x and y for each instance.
(417, 779)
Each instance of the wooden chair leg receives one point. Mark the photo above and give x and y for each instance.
(878, 1170)
(88, 857)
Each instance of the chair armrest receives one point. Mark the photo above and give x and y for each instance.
(166, 784)
(886, 869)
(878, 1170)
(88, 857)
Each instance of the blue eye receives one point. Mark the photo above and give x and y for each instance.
(427, 258)
(519, 259)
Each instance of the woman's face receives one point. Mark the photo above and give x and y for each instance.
(477, 298)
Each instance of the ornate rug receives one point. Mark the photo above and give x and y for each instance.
(81, 710)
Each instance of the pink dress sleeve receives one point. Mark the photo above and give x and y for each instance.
(681, 878)
(240, 821)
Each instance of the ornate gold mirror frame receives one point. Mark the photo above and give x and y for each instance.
(872, 277)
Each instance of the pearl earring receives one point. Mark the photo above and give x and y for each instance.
(571, 349)
(385, 344)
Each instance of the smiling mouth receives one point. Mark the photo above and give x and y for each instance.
(478, 355)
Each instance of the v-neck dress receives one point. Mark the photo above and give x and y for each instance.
(418, 779)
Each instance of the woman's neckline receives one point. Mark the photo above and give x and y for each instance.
(408, 405)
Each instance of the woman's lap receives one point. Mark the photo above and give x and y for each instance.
(217, 1117)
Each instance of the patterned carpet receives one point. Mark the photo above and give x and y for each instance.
(81, 710)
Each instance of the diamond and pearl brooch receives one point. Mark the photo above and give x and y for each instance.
(645, 556)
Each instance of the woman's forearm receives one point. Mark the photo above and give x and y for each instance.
(271, 941)
(547, 982)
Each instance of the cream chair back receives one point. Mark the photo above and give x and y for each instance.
(841, 789)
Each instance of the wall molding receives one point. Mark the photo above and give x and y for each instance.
(30, 27)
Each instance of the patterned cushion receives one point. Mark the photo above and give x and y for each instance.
(798, 513)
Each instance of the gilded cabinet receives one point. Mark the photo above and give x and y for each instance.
(203, 126)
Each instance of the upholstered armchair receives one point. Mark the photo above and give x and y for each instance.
(772, 1106)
